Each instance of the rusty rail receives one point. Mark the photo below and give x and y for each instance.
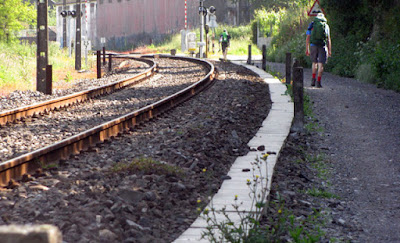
(42, 107)
(16, 167)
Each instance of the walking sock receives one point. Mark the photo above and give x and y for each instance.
(319, 83)
(313, 79)
(314, 75)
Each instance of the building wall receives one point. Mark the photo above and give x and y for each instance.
(126, 23)
(131, 23)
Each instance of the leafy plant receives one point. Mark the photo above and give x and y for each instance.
(249, 224)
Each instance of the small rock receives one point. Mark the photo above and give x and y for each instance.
(107, 235)
(134, 225)
(39, 187)
(12, 184)
(27, 178)
(261, 148)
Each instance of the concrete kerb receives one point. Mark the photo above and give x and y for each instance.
(272, 136)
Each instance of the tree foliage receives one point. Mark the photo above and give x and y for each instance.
(15, 15)
(279, 4)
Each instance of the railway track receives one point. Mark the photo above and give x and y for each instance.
(126, 116)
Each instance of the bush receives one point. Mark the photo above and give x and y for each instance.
(344, 60)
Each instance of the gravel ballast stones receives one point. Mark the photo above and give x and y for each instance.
(146, 185)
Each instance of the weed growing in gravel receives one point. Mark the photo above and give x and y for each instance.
(300, 229)
(248, 225)
(148, 166)
(318, 163)
(320, 193)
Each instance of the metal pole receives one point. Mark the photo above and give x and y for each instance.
(201, 51)
(185, 14)
(78, 47)
(42, 46)
(64, 44)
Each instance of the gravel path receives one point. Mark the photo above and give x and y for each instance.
(146, 185)
(361, 142)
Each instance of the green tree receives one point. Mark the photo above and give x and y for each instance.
(278, 4)
(15, 15)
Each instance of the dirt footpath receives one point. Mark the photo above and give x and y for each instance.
(361, 139)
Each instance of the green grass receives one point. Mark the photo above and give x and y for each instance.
(18, 66)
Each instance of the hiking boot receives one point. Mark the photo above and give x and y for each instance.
(319, 84)
(313, 82)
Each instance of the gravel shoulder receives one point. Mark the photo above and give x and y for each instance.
(360, 143)
(146, 185)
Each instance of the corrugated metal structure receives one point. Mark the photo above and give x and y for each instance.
(126, 23)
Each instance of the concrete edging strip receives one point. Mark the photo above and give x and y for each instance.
(272, 136)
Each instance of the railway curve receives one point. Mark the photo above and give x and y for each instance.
(61, 141)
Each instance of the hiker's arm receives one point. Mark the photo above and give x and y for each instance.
(308, 45)
(329, 46)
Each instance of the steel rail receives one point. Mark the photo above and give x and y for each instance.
(16, 167)
(45, 106)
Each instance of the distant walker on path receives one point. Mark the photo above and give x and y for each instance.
(224, 39)
(319, 42)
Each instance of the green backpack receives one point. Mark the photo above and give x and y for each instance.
(224, 37)
(318, 33)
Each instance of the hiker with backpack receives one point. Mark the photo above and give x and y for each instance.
(318, 47)
(224, 39)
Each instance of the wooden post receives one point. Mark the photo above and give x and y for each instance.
(109, 62)
(288, 67)
(298, 121)
(49, 79)
(98, 53)
(264, 57)
(104, 55)
(249, 56)
(42, 46)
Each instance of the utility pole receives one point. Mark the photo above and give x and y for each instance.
(201, 43)
(64, 44)
(42, 46)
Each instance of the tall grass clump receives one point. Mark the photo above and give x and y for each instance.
(17, 65)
